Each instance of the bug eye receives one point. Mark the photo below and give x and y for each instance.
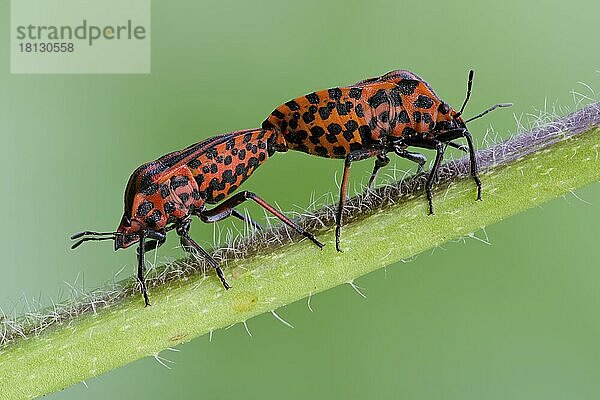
(444, 108)
(125, 221)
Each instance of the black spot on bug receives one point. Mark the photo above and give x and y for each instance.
(219, 159)
(355, 146)
(262, 145)
(324, 113)
(292, 105)
(261, 134)
(164, 191)
(303, 148)
(199, 180)
(144, 208)
(320, 150)
(312, 109)
(254, 149)
(308, 117)
(153, 218)
(313, 98)
(253, 162)
(334, 129)
(249, 146)
(339, 150)
(331, 105)
(150, 189)
(355, 93)
(296, 115)
(384, 116)
(262, 156)
(206, 169)
(317, 131)
(408, 131)
(228, 176)
(267, 125)
(242, 154)
(444, 108)
(179, 181)
(359, 111)
(331, 138)
(169, 207)
(351, 125)
(184, 197)
(234, 151)
(240, 169)
(230, 144)
(283, 126)
(293, 123)
(403, 117)
(227, 160)
(211, 153)
(232, 189)
(247, 137)
(423, 102)
(426, 118)
(214, 168)
(196, 194)
(378, 98)
(365, 134)
(297, 137)
(349, 136)
(443, 126)
(277, 114)
(407, 86)
(417, 117)
(334, 93)
(342, 109)
(395, 97)
(195, 163)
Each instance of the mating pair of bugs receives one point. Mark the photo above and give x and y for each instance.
(376, 116)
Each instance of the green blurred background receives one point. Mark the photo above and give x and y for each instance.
(519, 318)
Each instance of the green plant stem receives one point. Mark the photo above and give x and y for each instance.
(187, 308)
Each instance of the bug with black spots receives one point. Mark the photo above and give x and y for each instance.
(164, 194)
(375, 116)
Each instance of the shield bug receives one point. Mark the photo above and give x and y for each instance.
(164, 194)
(390, 113)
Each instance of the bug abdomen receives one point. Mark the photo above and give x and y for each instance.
(221, 169)
(329, 123)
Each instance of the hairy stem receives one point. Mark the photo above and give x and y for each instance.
(518, 174)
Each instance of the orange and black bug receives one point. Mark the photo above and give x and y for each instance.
(371, 118)
(164, 194)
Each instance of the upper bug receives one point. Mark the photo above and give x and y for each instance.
(371, 118)
(164, 194)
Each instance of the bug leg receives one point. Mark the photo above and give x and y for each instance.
(219, 213)
(190, 245)
(241, 197)
(418, 158)
(458, 146)
(141, 267)
(158, 239)
(474, 173)
(356, 155)
(439, 147)
(381, 161)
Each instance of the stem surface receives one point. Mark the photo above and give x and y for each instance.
(382, 227)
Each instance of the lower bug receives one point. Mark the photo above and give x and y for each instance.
(165, 194)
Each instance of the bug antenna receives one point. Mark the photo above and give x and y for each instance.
(91, 233)
(481, 114)
(79, 242)
(469, 86)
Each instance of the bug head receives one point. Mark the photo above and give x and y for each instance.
(127, 233)
(450, 119)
